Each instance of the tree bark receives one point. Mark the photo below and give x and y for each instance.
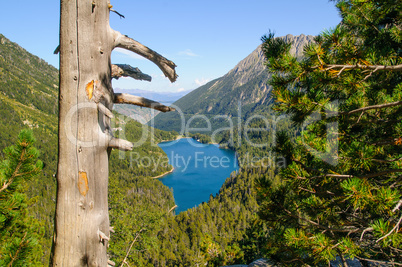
(85, 138)
(82, 209)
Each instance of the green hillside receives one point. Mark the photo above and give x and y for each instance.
(28, 99)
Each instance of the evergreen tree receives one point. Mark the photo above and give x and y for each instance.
(341, 192)
(18, 231)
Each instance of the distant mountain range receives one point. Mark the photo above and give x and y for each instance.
(239, 93)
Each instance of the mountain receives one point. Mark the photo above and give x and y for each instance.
(245, 86)
(143, 115)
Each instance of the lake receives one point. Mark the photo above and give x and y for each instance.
(199, 170)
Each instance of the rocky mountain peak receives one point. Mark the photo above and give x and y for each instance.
(246, 82)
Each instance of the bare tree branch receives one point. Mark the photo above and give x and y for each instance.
(132, 243)
(57, 50)
(120, 144)
(387, 105)
(371, 175)
(397, 206)
(124, 70)
(395, 141)
(120, 15)
(140, 101)
(380, 262)
(385, 161)
(359, 66)
(392, 230)
(105, 110)
(346, 176)
(175, 206)
(364, 231)
(370, 74)
(167, 66)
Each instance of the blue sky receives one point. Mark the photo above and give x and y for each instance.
(204, 38)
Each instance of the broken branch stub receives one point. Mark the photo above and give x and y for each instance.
(121, 144)
(124, 70)
(140, 101)
(167, 66)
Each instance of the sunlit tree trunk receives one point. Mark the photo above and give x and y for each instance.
(85, 139)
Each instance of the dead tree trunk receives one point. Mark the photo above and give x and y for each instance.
(85, 139)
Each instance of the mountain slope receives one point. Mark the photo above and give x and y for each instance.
(245, 85)
(29, 99)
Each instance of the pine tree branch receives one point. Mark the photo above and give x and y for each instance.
(387, 142)
(13, 258)
(368, 21)
(6, 185)
(304, 166)
(340, 230)
(15, 173)
(307, 190)
(27, 173)
(392, 230)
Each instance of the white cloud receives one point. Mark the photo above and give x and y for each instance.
(201, 81)
(130, 54)
(180, 90)
(188, 53)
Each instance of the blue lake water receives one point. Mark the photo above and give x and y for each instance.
(199, 171)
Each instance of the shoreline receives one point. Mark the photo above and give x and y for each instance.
(163, 174)
(177, 138)
(184, 137)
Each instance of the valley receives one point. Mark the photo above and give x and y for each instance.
(293, 156)
(132, 193)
